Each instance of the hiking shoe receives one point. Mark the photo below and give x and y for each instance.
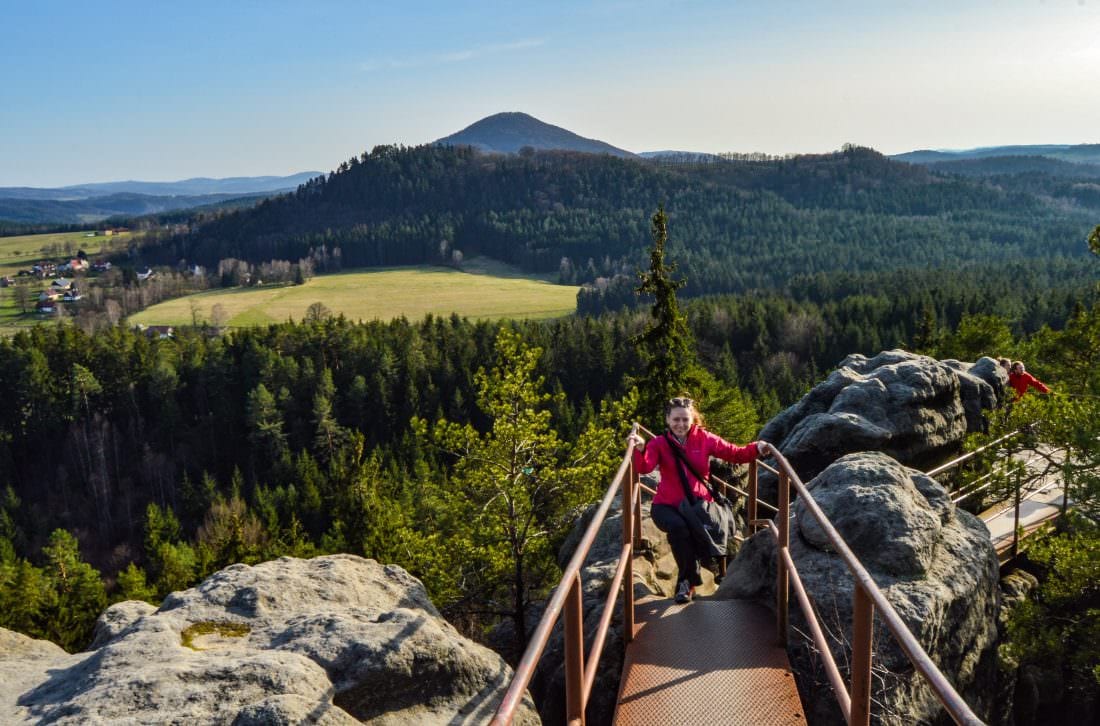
(684, 591)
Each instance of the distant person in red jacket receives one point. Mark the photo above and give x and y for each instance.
(1021, 380)
(698, 445)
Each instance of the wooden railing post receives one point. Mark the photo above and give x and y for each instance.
(863, 614)
(630, 485)
(574, 654)
(782, 582)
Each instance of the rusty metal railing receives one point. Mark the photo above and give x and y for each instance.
(971, 454)
(855, 703)
(579, 677)
(580, 672)
(1021, 491)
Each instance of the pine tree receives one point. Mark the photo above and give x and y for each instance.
(329, 435)
(515, 488)
(667, 346)
(80, 594)
(25, 597)
(132, 585)
(265, 423)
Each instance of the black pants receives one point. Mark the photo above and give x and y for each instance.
(669, 520)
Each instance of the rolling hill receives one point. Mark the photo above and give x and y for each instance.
(734, 226)
(508, 133)
(84, 203)
(1078, 153)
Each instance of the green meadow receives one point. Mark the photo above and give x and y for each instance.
(482, 290)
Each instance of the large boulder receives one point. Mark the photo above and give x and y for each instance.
(330, 640)
(913, 407)
(934, 563)
(983, 385)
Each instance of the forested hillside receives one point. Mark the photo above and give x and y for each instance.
(736, 225)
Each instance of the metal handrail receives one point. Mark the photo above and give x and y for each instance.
(866, 599)
(567, 596)
(855, 705)
(971, 454)
(968, 490)
(1020, 500)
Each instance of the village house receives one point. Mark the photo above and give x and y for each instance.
(161, 332)
(44, 269)
(74, 265)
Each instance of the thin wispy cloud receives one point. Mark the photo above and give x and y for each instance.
(458, 56)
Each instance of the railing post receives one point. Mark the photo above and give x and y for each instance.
(1065, 483)
(1016, 520)
(574, 654)
(750, 505)
(782, 581)
(637, 511)
(629, 487)
(863, 614)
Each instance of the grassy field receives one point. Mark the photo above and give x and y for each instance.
(11, 320)
(483, 290)
(17, 253)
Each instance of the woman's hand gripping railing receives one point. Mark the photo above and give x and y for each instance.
(567, 598)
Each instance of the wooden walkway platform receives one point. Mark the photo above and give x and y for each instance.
(706, 662)
(1042, 502)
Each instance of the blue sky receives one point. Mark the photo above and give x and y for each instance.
(101, 91)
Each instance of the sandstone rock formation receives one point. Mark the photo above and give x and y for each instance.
(914, 408)
(935, 564)
(331, 640)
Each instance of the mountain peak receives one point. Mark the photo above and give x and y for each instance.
(510, 131)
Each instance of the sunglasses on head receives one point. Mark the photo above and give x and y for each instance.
(680, 403)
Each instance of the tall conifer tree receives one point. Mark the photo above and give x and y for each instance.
(667, 346)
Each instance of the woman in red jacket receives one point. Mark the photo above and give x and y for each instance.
(1021, 380)
(698, 445)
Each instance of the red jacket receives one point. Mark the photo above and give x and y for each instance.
(699, 446)
(1021, 381)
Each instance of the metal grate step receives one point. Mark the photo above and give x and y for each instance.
(711, 661)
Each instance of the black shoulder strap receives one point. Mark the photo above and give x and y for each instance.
(682, 461)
